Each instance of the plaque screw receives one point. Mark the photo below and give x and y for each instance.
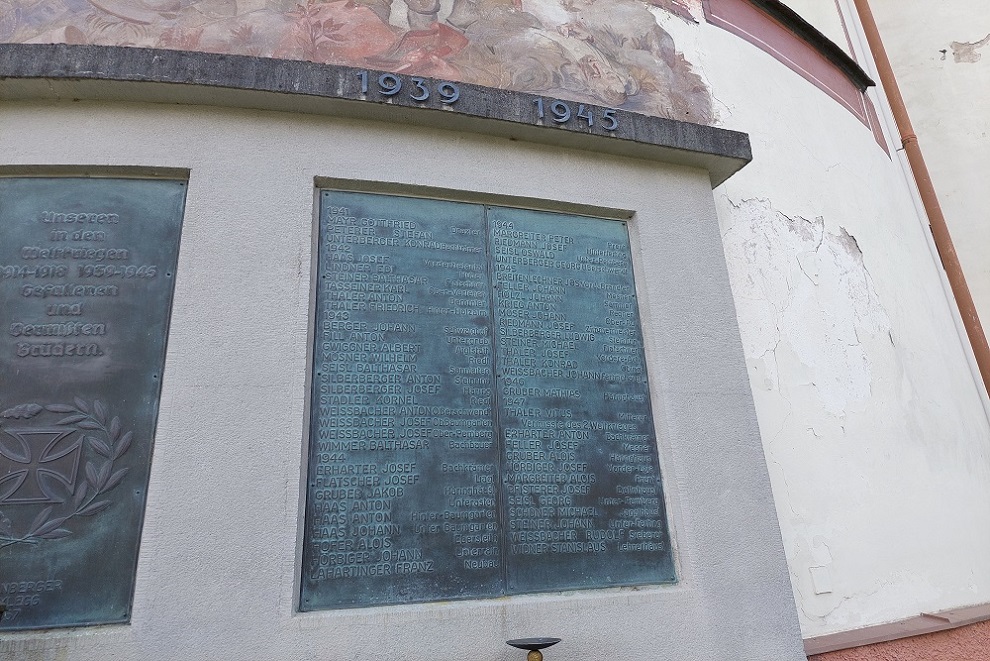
(534, 645)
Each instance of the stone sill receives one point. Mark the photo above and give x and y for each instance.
(914, 626)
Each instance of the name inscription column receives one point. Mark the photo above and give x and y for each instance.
(403, 501)
(584, 506)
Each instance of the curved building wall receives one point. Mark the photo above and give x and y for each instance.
(827, 18)
(846, 323)
(941, 63)
(873, 428)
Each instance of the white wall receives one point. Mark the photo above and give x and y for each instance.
(942, 62)
(873, 426)
(825, 16)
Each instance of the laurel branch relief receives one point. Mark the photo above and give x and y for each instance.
(104, 443)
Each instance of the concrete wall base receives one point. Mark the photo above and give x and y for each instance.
(969, 643)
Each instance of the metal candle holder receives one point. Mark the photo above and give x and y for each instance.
(534, 645)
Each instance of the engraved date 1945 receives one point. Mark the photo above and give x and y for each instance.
(561, 112)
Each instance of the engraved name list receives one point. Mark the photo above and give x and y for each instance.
(480, 420)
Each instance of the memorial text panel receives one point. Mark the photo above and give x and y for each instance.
(480, 416)
(86, 277)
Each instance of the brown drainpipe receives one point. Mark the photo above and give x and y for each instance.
(936, 220)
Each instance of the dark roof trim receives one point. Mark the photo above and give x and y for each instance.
(115, 73)
(809, 33)
(778, 31)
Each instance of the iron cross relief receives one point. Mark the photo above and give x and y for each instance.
(39, 458)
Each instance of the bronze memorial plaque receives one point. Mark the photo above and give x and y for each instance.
(86, 276)
(480, 417)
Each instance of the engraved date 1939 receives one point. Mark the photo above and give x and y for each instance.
(417, 88)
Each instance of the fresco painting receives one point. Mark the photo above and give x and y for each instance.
(606, 52)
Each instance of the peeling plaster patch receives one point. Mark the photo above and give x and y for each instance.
(820, 551)
(821, 572)
(821, 578)
(966, 51)
(804, 288)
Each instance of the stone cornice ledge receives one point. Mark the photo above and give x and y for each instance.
(115, 73)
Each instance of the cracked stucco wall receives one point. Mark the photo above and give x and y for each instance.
(812, 301)
(874, 430)
(870, 453)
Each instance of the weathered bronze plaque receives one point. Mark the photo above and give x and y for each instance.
(480, 421)
(403, 460)
(86, 273)
(579, 472)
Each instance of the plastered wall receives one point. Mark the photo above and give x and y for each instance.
(219, 556)
(826, 17)
(873, 426)
(942, 63)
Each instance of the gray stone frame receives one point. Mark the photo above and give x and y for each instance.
(733, 599)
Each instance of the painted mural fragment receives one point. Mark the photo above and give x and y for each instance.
(607, 52)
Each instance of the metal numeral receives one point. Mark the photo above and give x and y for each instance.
(561, 113)
(424, 91)
(390, 84)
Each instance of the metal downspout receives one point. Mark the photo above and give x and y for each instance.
(936, 220)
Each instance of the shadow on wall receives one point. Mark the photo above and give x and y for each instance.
(606, 52)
